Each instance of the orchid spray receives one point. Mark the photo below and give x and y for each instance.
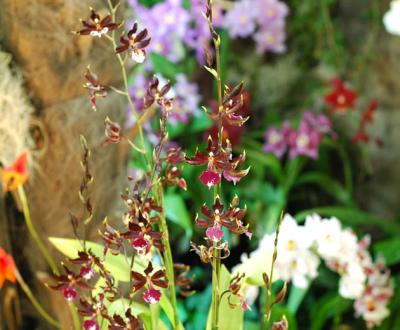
(141, 240)
(220, 163)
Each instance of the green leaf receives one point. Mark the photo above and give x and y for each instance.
(175, 129)
(326, 183)
(163, 66)
(293, 169)
(353, 217)
(177, 212)
(229, 318)
(200, 123)
(212, 71)
(389, 249)
(296, 296)
(328, 308)
(116, 265)
(268, 160)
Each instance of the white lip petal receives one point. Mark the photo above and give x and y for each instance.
(138, 55)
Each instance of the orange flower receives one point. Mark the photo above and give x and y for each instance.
(7, 268)
(16, 174)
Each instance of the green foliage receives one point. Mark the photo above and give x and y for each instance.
(328, 307)
(389, 249)
(177, 212)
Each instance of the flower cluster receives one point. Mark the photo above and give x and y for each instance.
(173, 27)
(7, 268)
(303, 141)
(214, 220)
(300, 249)
(185, 94)
(262, 19)
(342, 98)
(391, 18)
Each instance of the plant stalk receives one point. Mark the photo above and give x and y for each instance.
(32, 230)
(168, 260)
(34, 302)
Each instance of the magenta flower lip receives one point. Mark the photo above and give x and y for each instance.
(210, 178)
(215, 234)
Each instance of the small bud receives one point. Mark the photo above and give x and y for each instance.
(266, 279)
(281, 295)
(112, 131)
(281, 325)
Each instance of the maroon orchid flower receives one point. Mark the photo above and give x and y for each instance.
(232, 104)
(112, 239)
(68, 283)
(219, 162)
(183, 282)
(142, 236)
(234, 290)
(97, 26)
(135, 42)
(150, 280)
(130, 322)
(206, 254)
(172, 176)
(94, 88)
(112, 131)
(341, 98)
(157, 94)
(217, 217)
(231, 133)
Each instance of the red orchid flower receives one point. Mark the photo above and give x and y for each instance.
(341, 98)
(16, 174)
(7, 268)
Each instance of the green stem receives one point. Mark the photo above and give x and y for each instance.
(168, 260)
(33, 232)
(215, 289)
(75, 317)
(267, 316)
(126, 88)
(34, 302)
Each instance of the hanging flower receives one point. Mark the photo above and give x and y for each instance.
(68, 282)
(230, 218)
(142, 236)
(219, 161)
(135, 42)
(7, 268)
(16, 174)
(94, 88)
(112, 131)
(341, 98)
(151, 280)
(97, 26)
